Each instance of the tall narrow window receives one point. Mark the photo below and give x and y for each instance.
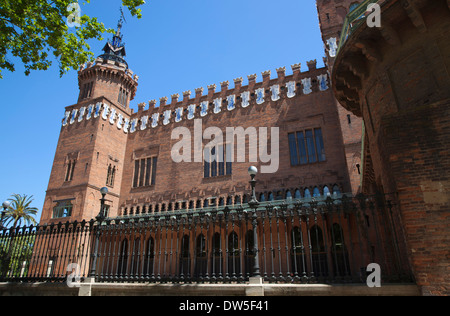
(87, 90)
(68, 170)
(319, 144)
(302, 148)
(154, 163)
(71, 172)
(214, 163)
(123, 96)
(306, 147)
(144, 172)
(111, 175)
(136, 173)
(228, 159)
(217, 161)
(148, 170)
(293, 149)
(310, 146)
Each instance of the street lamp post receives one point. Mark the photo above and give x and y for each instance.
(253, 203)
(5, 205)
(100, 217)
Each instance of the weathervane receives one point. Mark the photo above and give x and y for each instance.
(118, 38)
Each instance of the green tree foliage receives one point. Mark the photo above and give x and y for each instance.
(32, 30)
(16, 250)
(20, 211)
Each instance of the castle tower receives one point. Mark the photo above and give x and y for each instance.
(332, 14)
(91, 147)
(397, 78)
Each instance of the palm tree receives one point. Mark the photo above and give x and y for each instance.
(20, 211)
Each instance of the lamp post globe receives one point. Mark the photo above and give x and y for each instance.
(6, 204)
(252, 171)
(104, 191)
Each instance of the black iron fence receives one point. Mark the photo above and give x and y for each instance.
(329, 240)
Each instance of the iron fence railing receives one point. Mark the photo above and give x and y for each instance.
(296, 241)
(354, 19)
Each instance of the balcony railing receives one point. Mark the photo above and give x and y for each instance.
(354, 19)
(296, 241)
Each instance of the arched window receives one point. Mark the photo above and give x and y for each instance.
(229, 200)
(234, 266)
(307, 193)
(245, 199)
(297, 194)
(249, 253)
(339, 252)
(200, 249)
(326, 191)
(262, 197)
(270, 198)
(108, 174)
(221, 201)
(233, 243)
(136, 267)
(149, 256)
(319, 255)
(297, 253)
(336, 190)
(123, 258)
(288, 195)
(191, 205)
(217, 255)
(316, 192)
(184, 256)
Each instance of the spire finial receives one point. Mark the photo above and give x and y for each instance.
(120, 22)
(115, 50)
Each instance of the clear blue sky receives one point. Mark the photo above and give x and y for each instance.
(178, 45)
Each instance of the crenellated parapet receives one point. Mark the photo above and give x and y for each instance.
(99, 108)
(256, 93)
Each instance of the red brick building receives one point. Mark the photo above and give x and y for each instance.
(396, 77)
(105, 143)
